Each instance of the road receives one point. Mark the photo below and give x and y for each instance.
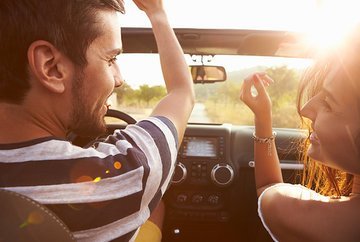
(198, 114)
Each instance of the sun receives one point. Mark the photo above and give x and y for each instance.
(332, 23)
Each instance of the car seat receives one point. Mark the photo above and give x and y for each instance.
(23, 219)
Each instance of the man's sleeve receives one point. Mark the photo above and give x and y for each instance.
(153, 143)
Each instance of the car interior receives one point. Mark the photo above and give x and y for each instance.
(212, 196)
(24, 219)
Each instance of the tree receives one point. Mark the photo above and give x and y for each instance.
(223, 103)
(124, 92)
(148, 93)
(283, 95)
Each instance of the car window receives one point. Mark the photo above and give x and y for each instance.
(215, 102)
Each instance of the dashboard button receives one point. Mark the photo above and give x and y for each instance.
(213, 199)
(196, 199)
(181, 198)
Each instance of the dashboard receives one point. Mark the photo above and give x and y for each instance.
(212, 196)
(213, 186)
(203, 157)
(196, 146)
(204, 167)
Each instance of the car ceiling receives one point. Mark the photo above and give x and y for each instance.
(221, 42)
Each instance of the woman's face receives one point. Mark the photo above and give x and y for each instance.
(334, 113)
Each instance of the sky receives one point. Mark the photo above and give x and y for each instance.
(253, 14)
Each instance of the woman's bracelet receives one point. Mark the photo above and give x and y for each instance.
(266, 140)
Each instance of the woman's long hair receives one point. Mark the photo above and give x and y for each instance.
(322, 179)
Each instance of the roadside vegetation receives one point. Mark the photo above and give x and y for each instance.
(221, 100)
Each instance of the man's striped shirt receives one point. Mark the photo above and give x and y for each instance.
(103, 192)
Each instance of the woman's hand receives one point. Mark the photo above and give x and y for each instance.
(261, 103)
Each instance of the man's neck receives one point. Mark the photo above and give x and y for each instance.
(17, 124)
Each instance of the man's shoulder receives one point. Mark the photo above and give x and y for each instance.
(160, 123)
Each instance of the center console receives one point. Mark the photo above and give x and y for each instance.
(203, 174)
(202, 161)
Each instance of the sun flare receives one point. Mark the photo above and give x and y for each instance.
(333, 21)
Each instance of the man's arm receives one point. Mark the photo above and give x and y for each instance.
(179, 102)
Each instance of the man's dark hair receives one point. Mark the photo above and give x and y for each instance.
(70, 25)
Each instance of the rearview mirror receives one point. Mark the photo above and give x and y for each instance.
(208, 74)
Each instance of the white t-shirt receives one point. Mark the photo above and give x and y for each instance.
(297, 191)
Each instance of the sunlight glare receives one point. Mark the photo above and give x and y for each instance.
(35, 217)
(117, 165)
(333, 22)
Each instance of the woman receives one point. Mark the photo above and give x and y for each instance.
(330, 212)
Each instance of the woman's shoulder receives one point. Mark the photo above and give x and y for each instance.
(292, 191)
(295, 210)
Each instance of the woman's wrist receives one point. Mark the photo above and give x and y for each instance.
(263, 126)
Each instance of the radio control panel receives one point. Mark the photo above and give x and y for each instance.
(202, 174)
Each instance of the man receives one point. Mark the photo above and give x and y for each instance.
(57, 69)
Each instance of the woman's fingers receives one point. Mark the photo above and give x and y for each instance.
(260, 102)
(246, 89)
(259, 84)
(267, 79)
(259, 80)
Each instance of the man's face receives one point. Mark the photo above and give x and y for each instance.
(95, 83)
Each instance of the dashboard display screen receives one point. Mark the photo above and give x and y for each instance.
(200, 147)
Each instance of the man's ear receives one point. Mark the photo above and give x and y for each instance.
(49, 66)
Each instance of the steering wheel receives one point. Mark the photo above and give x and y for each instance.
(85, 141)
(120, 115)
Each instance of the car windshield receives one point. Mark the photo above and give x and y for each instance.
(219, 102)
(215, 102)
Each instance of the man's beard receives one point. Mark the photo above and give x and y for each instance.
(84, 122)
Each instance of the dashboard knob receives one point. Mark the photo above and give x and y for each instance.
(222, 174)
(180, 173)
